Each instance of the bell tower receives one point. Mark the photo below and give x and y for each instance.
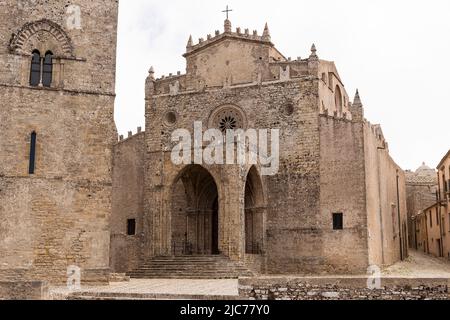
(57, 88)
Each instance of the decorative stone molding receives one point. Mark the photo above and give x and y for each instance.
(285, 73)
(174, 88)
(170, 118)
(44, 27)
(228, 117)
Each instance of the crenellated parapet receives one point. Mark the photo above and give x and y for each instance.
(239, 34)
(131, 135)
(377, 134)
(267, 66)
(289, 69)
(171, 84)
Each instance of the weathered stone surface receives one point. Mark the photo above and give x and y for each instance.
(58, 216)
(22, 290)
(430, 215)
(350, 288)
(127, 203)
(421, 188)
(331, 161)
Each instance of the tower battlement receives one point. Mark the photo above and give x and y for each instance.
(243, 60)
(239, 34)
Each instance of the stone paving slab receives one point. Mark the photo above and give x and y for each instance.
(159, 288)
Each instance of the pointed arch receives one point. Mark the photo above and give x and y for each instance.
(194, 212)
(254, 213)
(19, 40)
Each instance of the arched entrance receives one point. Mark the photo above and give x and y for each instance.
(195, 213)
(254, 213)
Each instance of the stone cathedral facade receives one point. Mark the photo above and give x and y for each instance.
(337, 204)
(71, 194)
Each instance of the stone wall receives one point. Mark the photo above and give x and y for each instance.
(329, 159)
(419, 197)
(360, 180)
(342, 190)
(431, 222)
(20, 290)
(127, 203)
(386, 201)
(350, 288)
(58, 216)
(290, 220)
(444, 190)
(421, 189)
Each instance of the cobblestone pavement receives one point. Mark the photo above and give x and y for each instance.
(420, 265)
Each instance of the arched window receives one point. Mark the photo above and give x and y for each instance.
(35, 73)
(338, 99)
(47, 69)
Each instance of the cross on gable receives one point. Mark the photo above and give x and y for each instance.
(227, 11)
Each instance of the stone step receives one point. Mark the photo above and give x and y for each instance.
(191, 258)
(212, 273)
(187, 273)
(200, 272)
(119, 277)
(190, 267)
(145, 296)
(183, 276)
(217, 260)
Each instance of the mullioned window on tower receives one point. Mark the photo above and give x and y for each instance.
(41, 72)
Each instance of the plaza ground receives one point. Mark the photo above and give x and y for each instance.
(418, 265)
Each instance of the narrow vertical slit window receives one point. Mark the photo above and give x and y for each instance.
(32, 165)
(47, 70)
(131, 227)
(35, 72)
(338, 221)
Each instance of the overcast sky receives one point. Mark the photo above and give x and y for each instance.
(396, 52)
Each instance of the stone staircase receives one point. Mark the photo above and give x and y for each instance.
(105, 296)
(190, 267)
(118, 277)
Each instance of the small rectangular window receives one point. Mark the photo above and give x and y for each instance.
(338, 221)
(131, 227)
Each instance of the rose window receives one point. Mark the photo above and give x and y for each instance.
(228, 123)
(227, 118)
